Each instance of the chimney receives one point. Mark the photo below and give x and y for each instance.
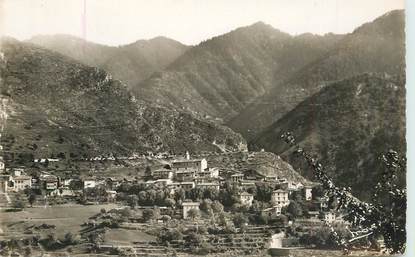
(187, 155)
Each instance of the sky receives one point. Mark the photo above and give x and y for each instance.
(117, 22)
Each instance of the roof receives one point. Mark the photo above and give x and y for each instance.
(191, 203)
(185, 171)
(313, 212)
(248, 183)
(22, 177)
(272, 208)
(163, 180)
(280, 191)
(188, 161)
(166, 170)
(49, 178)
(238, 174)
(208, 184)
(245, 194)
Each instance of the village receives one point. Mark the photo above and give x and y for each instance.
(180, 204)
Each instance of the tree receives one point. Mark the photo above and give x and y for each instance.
(264, 192)
(132, 201)
(217, 207)
(193, 214)
(228, 195)
(165, 218)
(295, 209)
(147, 172)
(180, 194)
(76, 184)
(68, 239)
(18, 203)
(385, 215)
(240, 220)
(148, 215)
(31, 198)
(206, 206)
(194, 239)
(169, 202)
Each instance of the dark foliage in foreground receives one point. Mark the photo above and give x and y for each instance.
(385, 216)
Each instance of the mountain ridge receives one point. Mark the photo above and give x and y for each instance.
(377, 46)
(220, 76)
(59, 106)
(130, 63)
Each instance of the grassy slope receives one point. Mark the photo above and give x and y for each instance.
(56, 104)
(348, 125)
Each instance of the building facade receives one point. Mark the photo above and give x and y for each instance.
(280, 197)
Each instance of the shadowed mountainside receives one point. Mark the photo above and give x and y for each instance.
(348, 124)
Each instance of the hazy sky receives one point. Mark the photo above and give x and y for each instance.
(116, 22)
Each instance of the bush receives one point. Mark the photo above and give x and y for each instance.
(204, 249)
(240, 220)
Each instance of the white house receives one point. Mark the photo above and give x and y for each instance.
(197, 165)
(237, 177)
(330, 217)
(272, 211)
(21, 182)
(1, 164)
(308, 195)
(187, 206)
(280, 197)
(211, 185)
(89, 183)
(246, 198)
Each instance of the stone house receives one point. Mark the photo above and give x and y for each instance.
(246, 198)
(280, 197)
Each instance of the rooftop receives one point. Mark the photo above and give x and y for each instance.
(190, 203)
(280, 191)
(186, 161)
(22, 177)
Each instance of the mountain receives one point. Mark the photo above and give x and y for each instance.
(221, 76)
(348, 125)
(377, 46)
(130, 63)
(57, 106)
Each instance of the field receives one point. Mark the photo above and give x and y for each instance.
(330, 253)
(312, 253)
(126, 237)
(66, 218)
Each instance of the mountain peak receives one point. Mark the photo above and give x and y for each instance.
(390, 22)
(260, 26)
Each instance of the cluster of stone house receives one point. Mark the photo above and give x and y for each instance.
(186, 174)
(16, 180)
(195, 173)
